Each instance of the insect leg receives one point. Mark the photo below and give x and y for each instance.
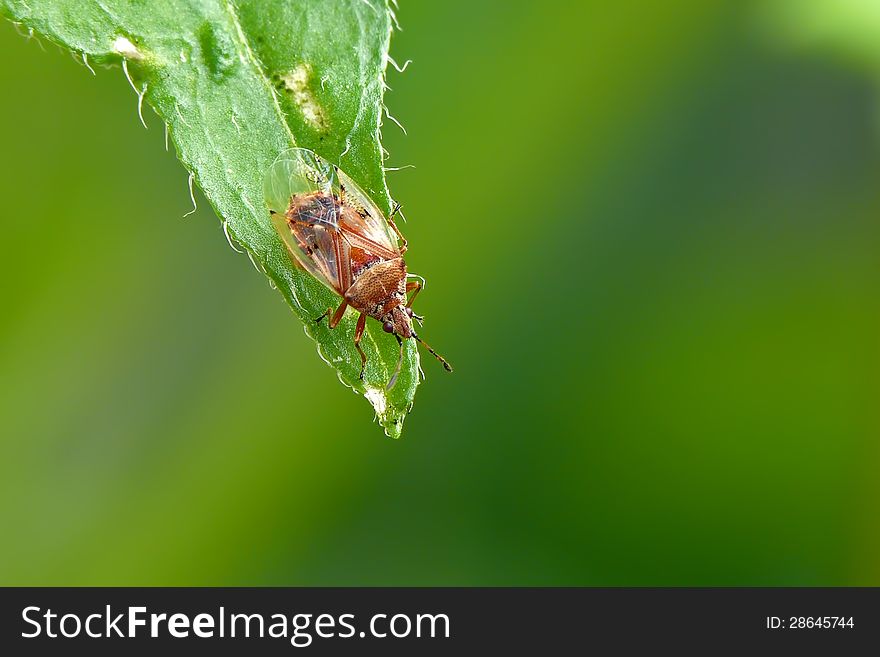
(337, 316)
(417, 286)
(358, 334)
(410, 286)
(396, 229)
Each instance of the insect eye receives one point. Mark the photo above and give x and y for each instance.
(388, 327)
(409, 311)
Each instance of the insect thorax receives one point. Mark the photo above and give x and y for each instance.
(379, 289)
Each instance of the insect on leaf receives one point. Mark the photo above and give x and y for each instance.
(237, 83)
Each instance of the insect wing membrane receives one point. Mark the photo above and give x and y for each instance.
(317, 248)
(297, 171)
(305, 191)
(312, 238)
(370, 224)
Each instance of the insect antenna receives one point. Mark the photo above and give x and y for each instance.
(393, 378)
(442, 360)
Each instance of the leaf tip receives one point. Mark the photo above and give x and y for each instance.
(389, 417)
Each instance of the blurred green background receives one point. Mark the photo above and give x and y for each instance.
(652, 241)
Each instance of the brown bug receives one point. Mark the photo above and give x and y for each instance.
(337, 234)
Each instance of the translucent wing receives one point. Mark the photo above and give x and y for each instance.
(318, 249)
(302, 193)
(297, 171)
(366, 227)
(322, 214)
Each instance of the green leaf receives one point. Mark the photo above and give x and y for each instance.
(236, 83)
